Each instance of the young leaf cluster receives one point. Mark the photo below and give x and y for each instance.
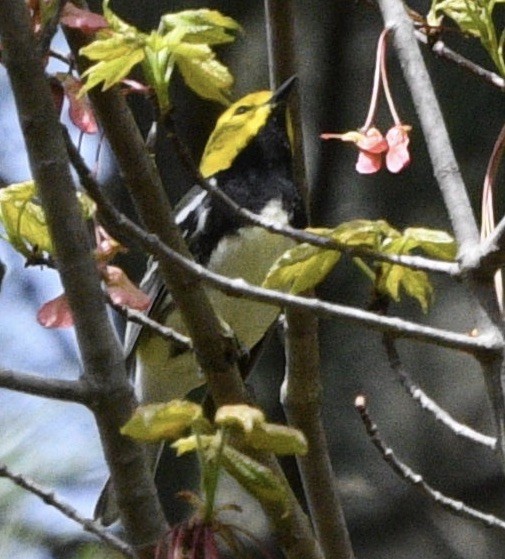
(184, 39)
(243, 424)
(306, 266)
(474, 17)
(24, 220)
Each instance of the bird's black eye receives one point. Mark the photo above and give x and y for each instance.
(242, 109)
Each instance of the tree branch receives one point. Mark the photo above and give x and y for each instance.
(430, 405)
(455, 507)
(101, 353)
(54, 501)
(56, 389)
(182, 342)
(440, 49)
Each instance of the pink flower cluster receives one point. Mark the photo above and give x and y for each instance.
(374, 148)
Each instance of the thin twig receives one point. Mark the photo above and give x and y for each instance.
(443, 51)
(427, 404)
(169, 334)
(57, 389)
(54, 501)
(452, 505)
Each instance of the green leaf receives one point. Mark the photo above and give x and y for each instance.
(415, 283)
(24, 220)
(259, 434)
(203, 26)
(203, 73)
(157, 422)
(278, 439)
(305, 266)
(116, 58)
(301, 268)
(361, 232)
(257, 479)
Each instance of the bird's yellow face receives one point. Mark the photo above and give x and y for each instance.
(235, 128)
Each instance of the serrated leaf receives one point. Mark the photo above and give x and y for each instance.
(117, 51)
(257, 479)
(240, 415)
(203, 26)
(301, 268)
(278, 439)
(157, 422)
(116, 61)
(415, 283)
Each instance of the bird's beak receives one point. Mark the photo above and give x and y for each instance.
(283, 91)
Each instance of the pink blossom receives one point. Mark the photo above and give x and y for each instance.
(398, 156)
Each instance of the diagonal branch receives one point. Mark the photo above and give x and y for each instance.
(457, 508)
(165, 332)
(483, 344)
(443, 51)
(54, 501)
(427, 404)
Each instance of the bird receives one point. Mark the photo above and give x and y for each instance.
(249, 156)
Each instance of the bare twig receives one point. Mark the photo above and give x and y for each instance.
(457, 508)
(54, 501)
(58, 389)
(443, 51)
(430, 405)
(181, 341)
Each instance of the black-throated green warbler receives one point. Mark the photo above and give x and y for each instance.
(249, 156)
